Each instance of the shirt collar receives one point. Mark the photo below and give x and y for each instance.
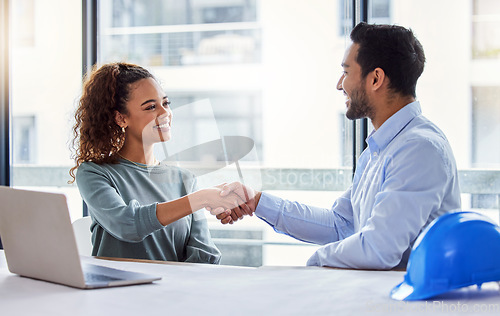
(380, 138)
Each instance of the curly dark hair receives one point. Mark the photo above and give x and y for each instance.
(106, 89)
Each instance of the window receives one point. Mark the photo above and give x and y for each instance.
(23, 138)
(459, 90)
(235, 113)
(484, 84)
(23, 25)
(485, 94)
(263, 75)
(45, 81)
(485, 30)
(380, 11)
(485, 126)
(177, 33)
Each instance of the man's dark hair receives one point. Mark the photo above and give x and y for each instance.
(394, 49)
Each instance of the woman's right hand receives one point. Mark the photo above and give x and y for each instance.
(212, 200)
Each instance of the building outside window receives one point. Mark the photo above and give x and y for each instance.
(459, 87)
(178, 33)
(24, 142)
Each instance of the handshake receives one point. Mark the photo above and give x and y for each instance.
(230, 202)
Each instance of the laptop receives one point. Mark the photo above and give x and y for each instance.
(39, 243)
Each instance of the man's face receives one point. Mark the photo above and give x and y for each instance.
(353, 86)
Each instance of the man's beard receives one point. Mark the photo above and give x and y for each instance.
(359, 106)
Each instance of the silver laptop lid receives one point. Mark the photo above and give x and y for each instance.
(37, 236)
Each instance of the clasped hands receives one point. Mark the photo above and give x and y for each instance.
(234, 201)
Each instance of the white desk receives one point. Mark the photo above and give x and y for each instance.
(197, 289)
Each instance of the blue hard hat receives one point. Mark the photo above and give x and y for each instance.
(455, 250)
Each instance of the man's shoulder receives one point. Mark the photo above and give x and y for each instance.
(421, 129)
(421, 140)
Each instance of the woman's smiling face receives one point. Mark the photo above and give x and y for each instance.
(149, 116)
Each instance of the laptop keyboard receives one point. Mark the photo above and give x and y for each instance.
(92, 277)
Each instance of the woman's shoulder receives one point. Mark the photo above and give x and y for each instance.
(87, 173)
(87, 166)
(91, 166)
(89, 169)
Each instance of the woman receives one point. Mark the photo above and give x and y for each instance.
(140, 208)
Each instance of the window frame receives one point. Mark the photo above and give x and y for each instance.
(5, 153)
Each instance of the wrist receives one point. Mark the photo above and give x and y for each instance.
(198, 199)
(257, 198)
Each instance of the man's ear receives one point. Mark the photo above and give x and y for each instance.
(120, 119)
(377, 78)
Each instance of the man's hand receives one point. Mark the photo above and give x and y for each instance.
(247, 194)
(219, 204)
(213, 200)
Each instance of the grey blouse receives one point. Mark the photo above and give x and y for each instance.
(122, 199)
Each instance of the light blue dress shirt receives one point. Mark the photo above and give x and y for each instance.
(405, 178)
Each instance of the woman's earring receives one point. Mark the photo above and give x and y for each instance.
(123, 130)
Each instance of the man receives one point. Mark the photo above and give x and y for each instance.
(404, 179)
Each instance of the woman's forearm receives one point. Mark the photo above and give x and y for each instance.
(171, 211)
